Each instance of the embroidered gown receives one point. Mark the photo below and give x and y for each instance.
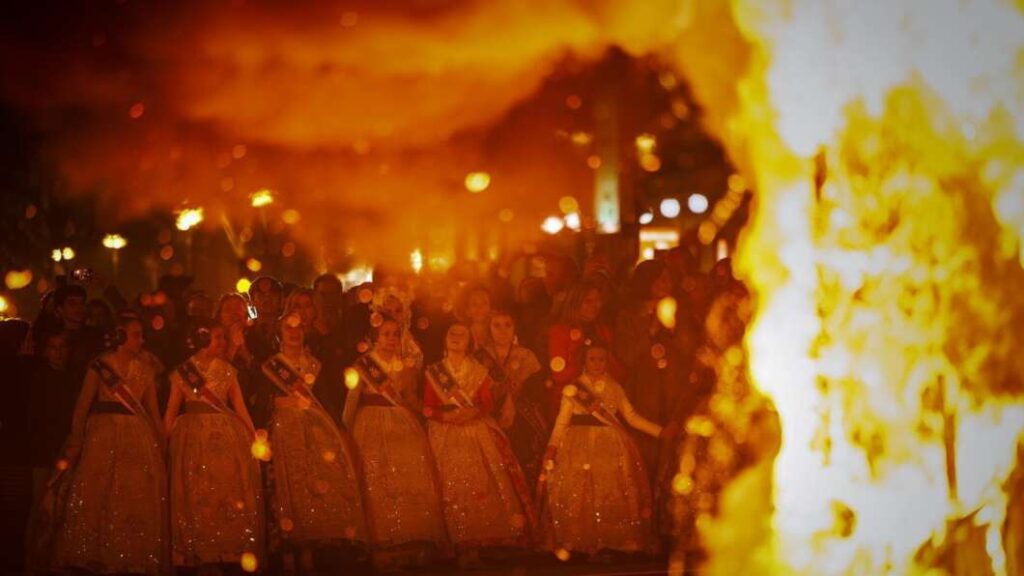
(597, 496)
(316, 497)
(216, 493)
(486, 502)
(115, 514)
(521, 403)
(403, 501)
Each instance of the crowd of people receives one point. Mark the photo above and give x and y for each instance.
(408, 421)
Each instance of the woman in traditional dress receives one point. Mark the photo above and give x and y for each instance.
(475, 310)
(115, 516)
(579, 325)
(403, 500)
(595, 495)
(316, 498)
(517, 375)
(485, 497)
(216, 493)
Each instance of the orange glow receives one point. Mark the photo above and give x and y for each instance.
(477, 181)
(18, 279)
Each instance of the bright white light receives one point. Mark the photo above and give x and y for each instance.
(646, 218)
(552, 225)
(697, 203)
(572, 220)
(670, 208)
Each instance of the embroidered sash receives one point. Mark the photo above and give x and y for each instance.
(586, 398)
(116, 386)
(194, 379)
(446, 386)
(377, 379)
(289, 382)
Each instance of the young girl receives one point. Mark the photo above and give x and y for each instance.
(403, 500)
(486, 502)
(595, 495)
(216, 494)
(316, 497)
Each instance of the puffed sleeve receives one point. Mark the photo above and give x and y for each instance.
(632, 417)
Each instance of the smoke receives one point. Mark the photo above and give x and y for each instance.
(363, 116)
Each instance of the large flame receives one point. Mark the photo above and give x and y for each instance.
(884, 139)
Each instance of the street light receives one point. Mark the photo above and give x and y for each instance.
(670, 208)
(114, 242)
(552, 225)
(188, 218)
(261, 198)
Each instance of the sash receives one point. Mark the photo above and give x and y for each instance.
(288, 381)
(447, 386)
(586, 399)
(196, 382)
(377, 377)
(116, 386)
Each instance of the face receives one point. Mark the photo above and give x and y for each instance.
(73, 310)
(57, 352)
(267, 300)
(590, 307)
(503, 330)
(303, 306)
(291, 331)
(457, 339)
(218, 341)
(232, 312)
(478, 306)
(596, 362)
(388, 338)
(330, 294)
(662, 286)
(134, 340)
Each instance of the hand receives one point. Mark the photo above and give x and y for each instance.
(549, 456)
(671, 430)
(237, 336)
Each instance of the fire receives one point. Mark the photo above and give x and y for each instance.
(883, 141)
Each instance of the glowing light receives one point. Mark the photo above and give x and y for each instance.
(572, 221)
(261, 198)
(574, 102)
(167, 252)
(416, 260)
(351, 378)
(646, 218)
(552, 225)
(68, 253)
(291, 216)
(288, 249)
(667, 312)
(243, 285)
(63, 464)
(330, 456)
(568, 204)
(581, 138)
(56, 255)
(4, 306)
(557, 364)
(645, 144)
(697, 203)
(249, 563)
(650, 163)
(260, 449)
(188, 218)
(18, 279)
(670, 208)
(563, 554)
(114, 241)
(477, 182)
(253, 265)
(721, 249)
(137, 110)
(594, 161)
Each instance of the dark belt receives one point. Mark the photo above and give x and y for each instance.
(374, 400)
(200, 408)
(109, 408)
(447, 407)
(585, 420)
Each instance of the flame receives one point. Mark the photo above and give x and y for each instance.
(884, 143)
